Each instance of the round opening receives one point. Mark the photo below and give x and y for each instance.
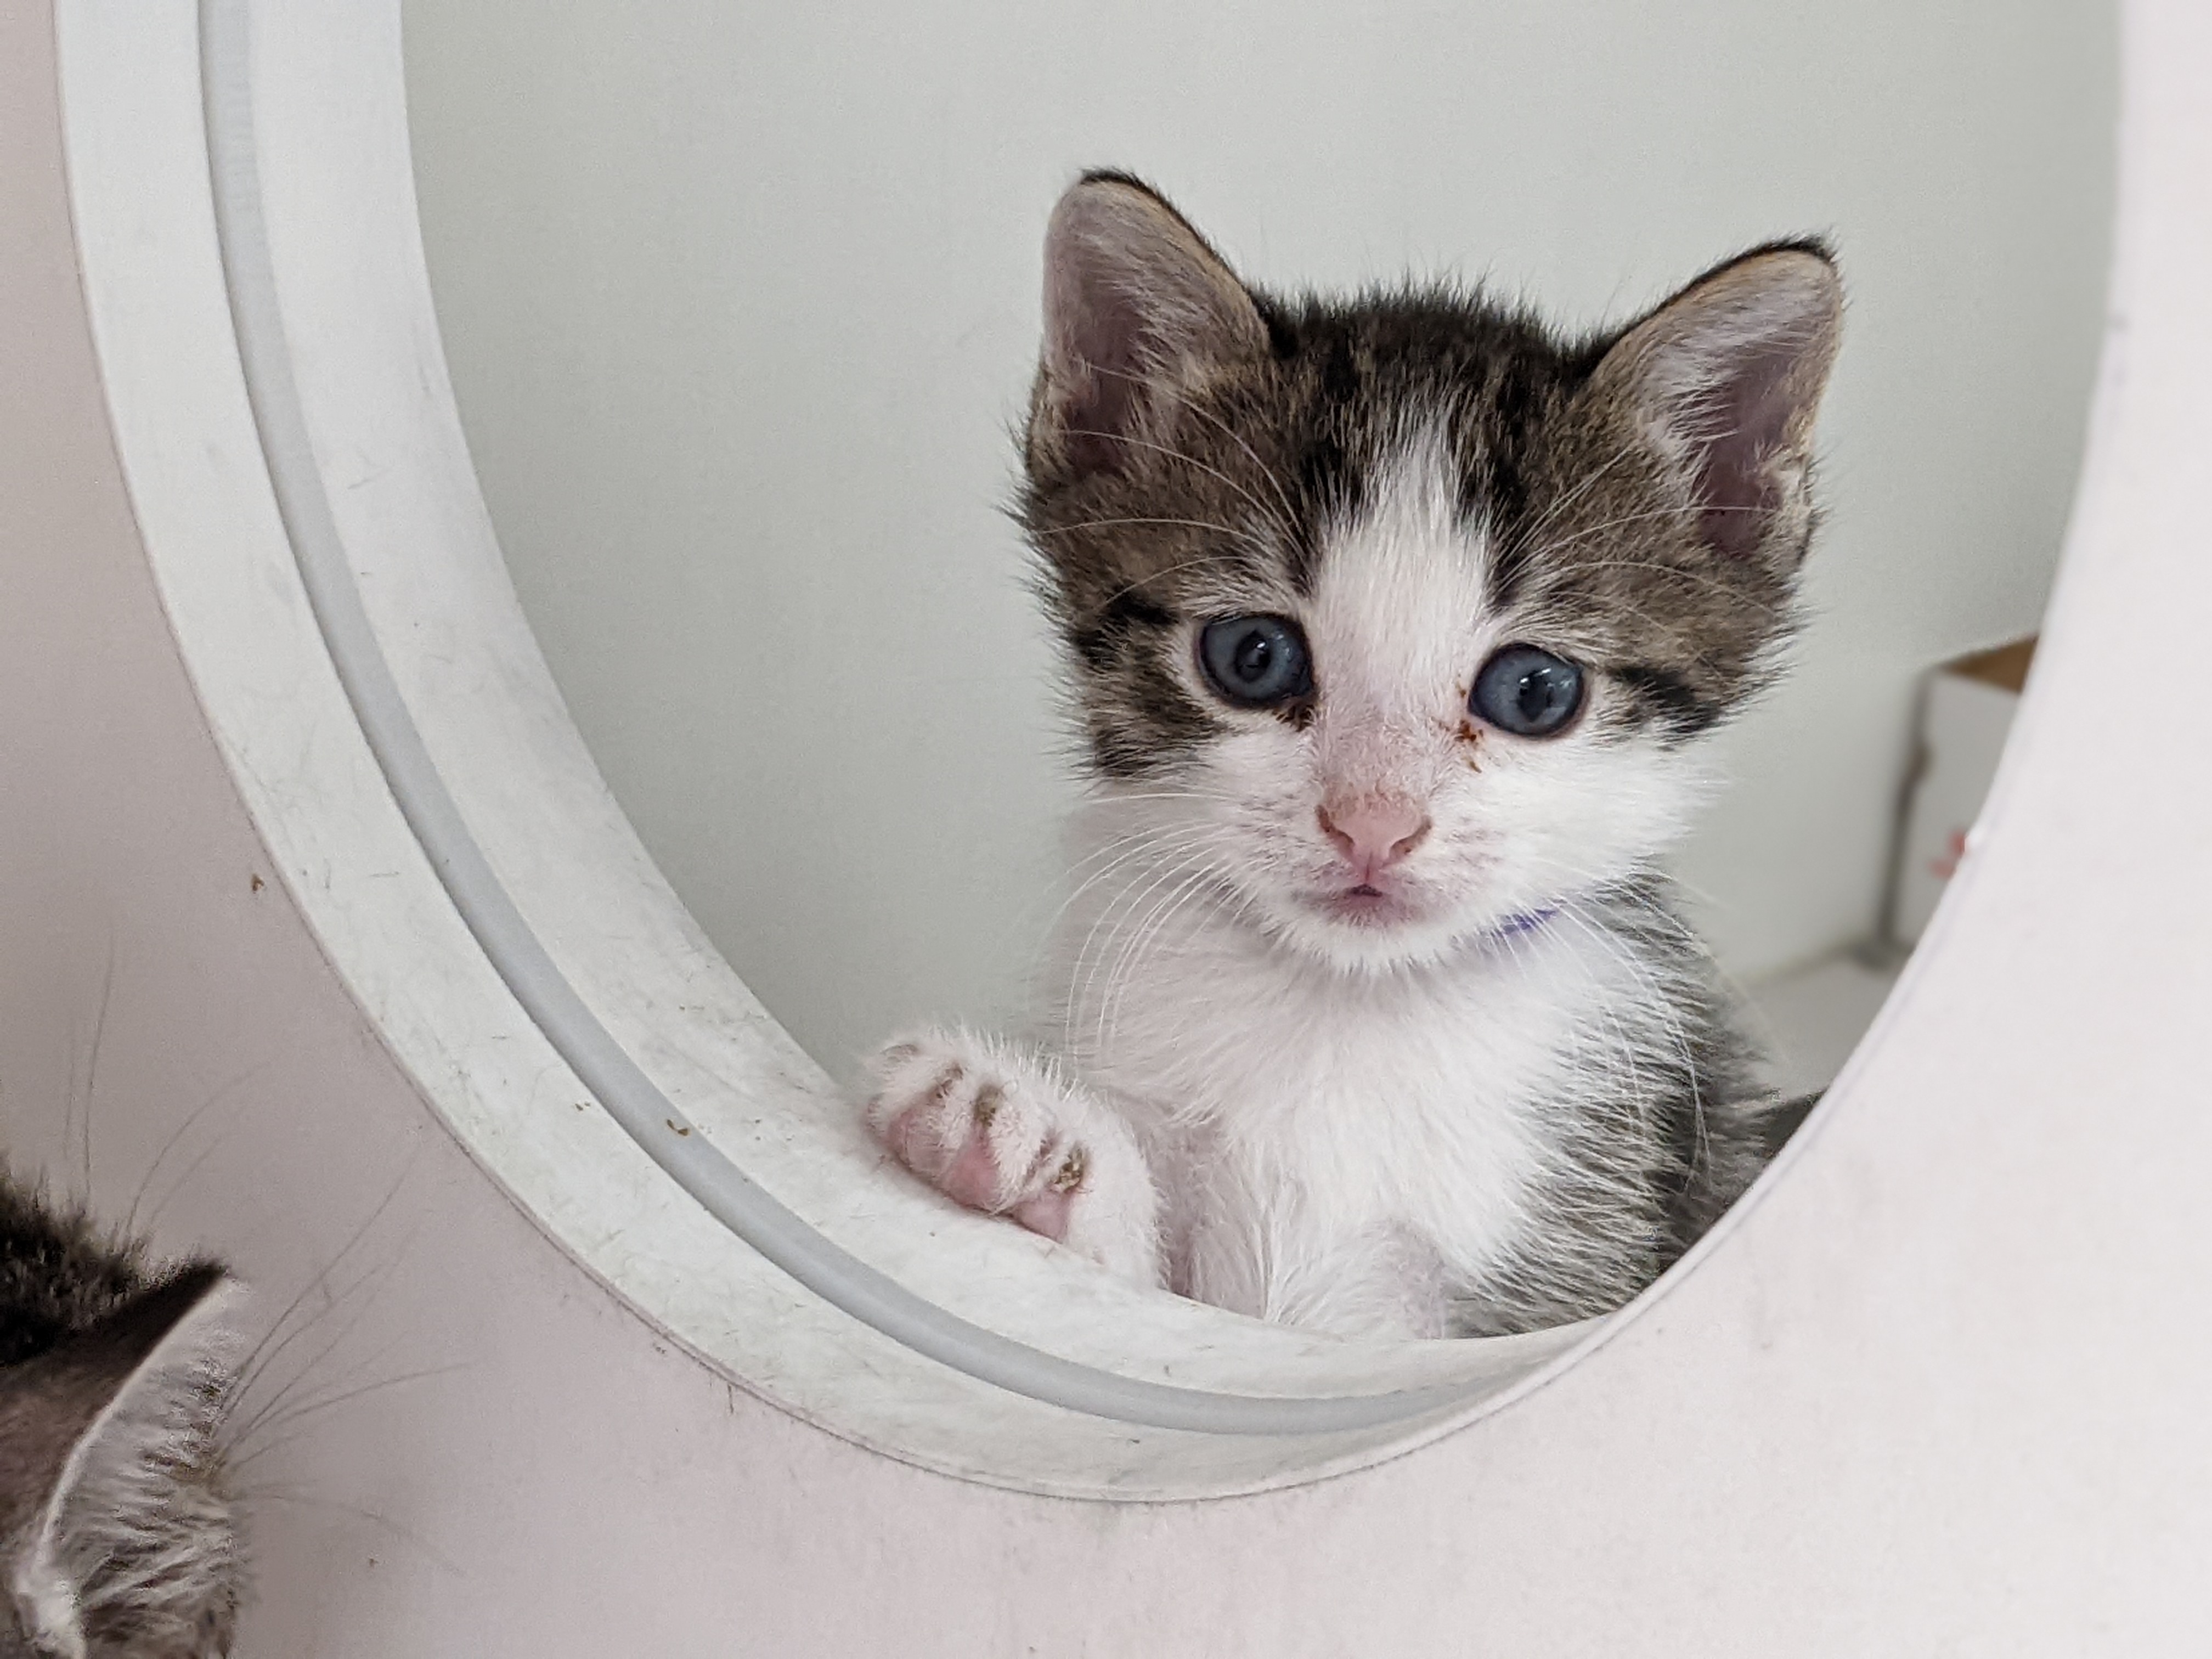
(737, 313)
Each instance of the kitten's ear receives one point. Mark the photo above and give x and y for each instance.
(1724, 378)
(107, 1527)
(1135, 303)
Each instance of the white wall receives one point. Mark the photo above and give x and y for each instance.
(740, 303)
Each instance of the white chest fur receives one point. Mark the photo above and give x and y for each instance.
(1335, 1148)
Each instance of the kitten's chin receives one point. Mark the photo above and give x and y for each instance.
(1365, 930)
(1369, 909)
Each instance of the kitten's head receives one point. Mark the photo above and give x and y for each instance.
(1401, 617)
(116, 1539)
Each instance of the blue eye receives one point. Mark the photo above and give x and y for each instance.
(1253, 661)
(1528, 692)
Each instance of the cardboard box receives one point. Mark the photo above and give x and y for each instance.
(1966, 710)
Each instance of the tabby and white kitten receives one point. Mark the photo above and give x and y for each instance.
(117, 1539)
(1395, 626)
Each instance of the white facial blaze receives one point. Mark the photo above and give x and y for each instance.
(1396, 613)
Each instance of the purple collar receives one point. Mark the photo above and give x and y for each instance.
(1521, 921)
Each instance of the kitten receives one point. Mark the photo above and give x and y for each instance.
(1394, 627)
(117, 1539)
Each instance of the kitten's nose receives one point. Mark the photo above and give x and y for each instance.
(1375, 831)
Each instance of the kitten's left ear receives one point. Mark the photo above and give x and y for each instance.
(1724, 380)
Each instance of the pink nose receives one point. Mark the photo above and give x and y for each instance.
(1374, 832)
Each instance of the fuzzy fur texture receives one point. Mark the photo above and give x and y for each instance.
(117, 1535)
(1377, 1017)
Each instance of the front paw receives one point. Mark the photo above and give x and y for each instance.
(963, 1118)
(1000, 1133)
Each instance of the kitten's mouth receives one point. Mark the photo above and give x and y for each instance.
(1365, 906)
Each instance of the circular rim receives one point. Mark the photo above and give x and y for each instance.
(344, 580)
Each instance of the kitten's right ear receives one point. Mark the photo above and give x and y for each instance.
(1135, 305)
(110, 1526)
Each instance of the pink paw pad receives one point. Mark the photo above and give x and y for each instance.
(976, 1142)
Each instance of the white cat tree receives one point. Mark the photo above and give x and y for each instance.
(321, 939)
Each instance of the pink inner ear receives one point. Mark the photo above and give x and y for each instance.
(1131, 292)
(1744, 422)
(1096, 337)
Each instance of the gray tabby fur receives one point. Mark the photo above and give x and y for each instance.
(118, 1538)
